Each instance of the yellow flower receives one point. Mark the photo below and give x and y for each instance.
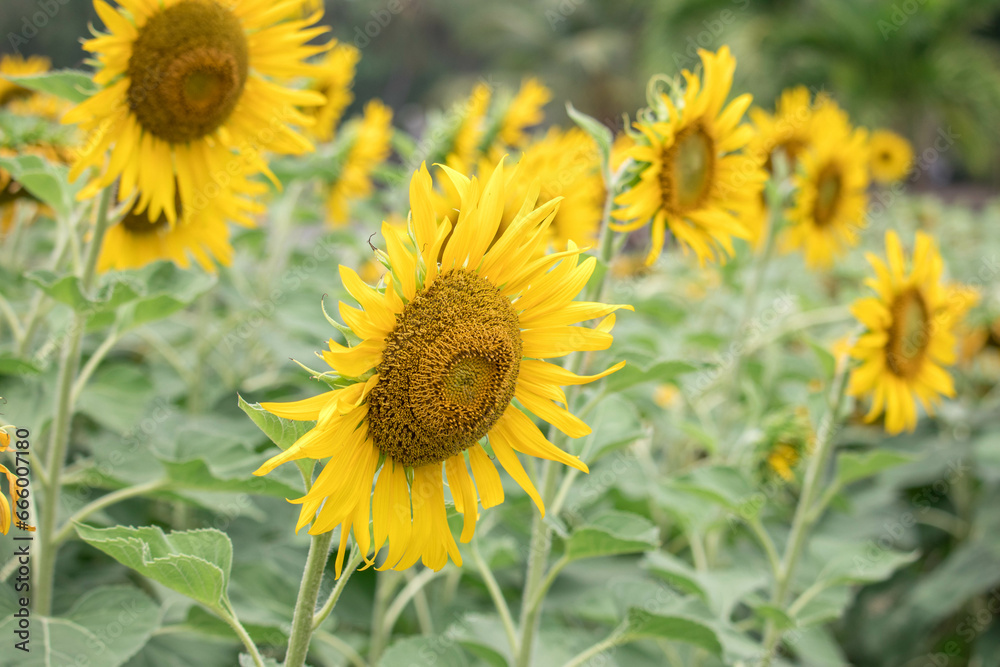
(910, 334)
(890, 156)
(698, 181)
(183, 79)
(15, 65)
(619, 150)
(525, 111)
(201, 231)
(334, 81)
(465, 146)
(7, 507)
(831, 190)
(444, 348)
(782, 458)
(368, 150)
(666, 395)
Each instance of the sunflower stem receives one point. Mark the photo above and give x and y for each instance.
(804, 517)
(497, 595)
(305, 604)
(338, 588)
(68, 366)
(229, 616)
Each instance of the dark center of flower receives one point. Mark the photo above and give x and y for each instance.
(885, 156)
(448, 371)
(139, 224)
(688, 169)
(909, 334)
(828, 187)
(187, 70)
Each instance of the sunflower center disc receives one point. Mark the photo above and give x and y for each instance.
(908, 335)
(827, 195)
(448, 371)
(187, 70)
(688, 169)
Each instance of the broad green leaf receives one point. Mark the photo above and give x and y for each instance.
(483, 636)
(118, 396)
(824, 356)
(424, 652)
(828, 606)
(10, 365)
(166, 288)
(197, 474)
(776, 615)
(68, 84)
(195, 563)
(593, 127)
(675, 572)
(282, 432)
(47, 182)
(722, 485)
(106, 627)
(611, 534)
(67, 290)
(642, 624)
(852, 467)
(862, 563)
(633, 374)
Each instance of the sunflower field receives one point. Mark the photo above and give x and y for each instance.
(320, 348)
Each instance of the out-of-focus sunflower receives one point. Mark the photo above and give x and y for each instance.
(185, 78)
(369, 149)
(466, 144)
(201, 230)
(910, 334)
(697, 179)
(831, 194)
(334, 81)
(7, 507)
(524, 111)
(623, 143)
(444, 348)
(787, 439)
(890, 156)
(16, 65)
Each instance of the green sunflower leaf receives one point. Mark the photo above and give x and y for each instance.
(852, 467)
(595, 128)
(282, 432)
(47, 182)
(424, 652)
(106, 626)
(68, 84)
(611, 534)
(195, 563)
(642, 624)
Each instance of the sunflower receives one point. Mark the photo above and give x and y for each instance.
(137, 240)
(831, 194)
(697, 179)
(444, 349)
(334, 81)
(7, 507)
(524, 111)
(465, 145)
(185, 78)
(16, 65)
(368, 150)
(910, 334)
(890, 156)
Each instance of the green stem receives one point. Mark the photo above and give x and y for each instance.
(95, 359)
(107, 500)
(497, 595)
(768, 545)
(338, 588)
(385, 586)
(804, 517)
(600, 647)
(15, 325)
(68, 365)
(413, 586)
(305, 605)
(342, 647)
(229, 616)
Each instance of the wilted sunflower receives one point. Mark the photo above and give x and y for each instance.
(910, 334)
(444, 348)
(697, 179)
(334, 81)
(890, 156)
(831, 193)
(524, 111)
(185, 77)
(368, 150)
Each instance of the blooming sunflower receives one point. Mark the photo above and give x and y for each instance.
(524, 111)
(910, 334)
(696, 178)
(445, 346)
(890, 156)
(369, 149)
(465, 144)
(182, 78)
(831, 190)
(334, 81)
(16, 65)
(137, 240)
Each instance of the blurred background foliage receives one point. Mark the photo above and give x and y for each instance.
(917, 66)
